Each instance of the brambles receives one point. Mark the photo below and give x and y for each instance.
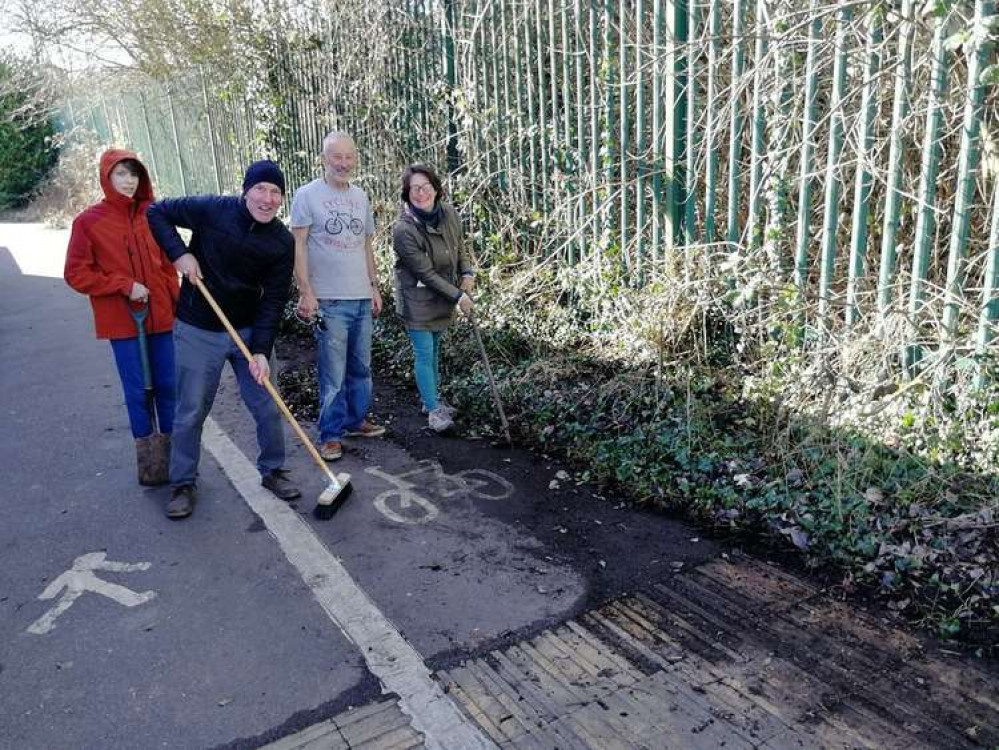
(742, 433)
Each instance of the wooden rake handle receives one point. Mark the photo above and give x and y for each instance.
(271, 389)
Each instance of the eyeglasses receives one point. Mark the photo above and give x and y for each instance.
(422, 187)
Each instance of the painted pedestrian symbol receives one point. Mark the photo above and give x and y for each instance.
(80, 579)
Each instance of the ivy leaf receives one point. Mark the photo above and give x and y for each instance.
(958, 40)
(990, 76)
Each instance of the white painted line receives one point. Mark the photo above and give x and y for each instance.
(388, 655)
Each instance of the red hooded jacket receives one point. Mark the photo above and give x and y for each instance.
(111, 247)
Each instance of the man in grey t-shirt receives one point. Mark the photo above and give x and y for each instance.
(333, 225)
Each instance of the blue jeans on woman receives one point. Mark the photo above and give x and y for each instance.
(201, 355)
(344, 366)
(427, 356)
(129, 362)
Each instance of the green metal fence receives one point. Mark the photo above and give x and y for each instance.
(665, 136)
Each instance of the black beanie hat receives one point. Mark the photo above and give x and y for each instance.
(263, 171)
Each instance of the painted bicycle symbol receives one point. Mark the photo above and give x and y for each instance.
(336, 223)
(402, 505)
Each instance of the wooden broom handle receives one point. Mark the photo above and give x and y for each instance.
(271, 389)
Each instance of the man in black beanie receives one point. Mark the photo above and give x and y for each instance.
(244, 255)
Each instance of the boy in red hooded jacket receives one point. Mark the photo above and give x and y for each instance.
(113, 258)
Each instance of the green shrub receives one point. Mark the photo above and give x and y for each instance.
(26, 133)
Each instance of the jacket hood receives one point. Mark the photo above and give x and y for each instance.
(143, 194)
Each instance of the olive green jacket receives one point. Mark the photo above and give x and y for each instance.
(429, 264)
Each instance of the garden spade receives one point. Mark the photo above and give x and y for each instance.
(152, 453)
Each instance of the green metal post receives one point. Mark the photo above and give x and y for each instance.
(319, 127)
(511, 104)
(676, 126)
(927, 187)
(990, 290)
(862, 186)
(519, 84)
(423, 64)
(211, 131)
(107, 121)
(498, 112)
(475, 91)
(406, 84)
(595, 136)
(640, 126)
(121, 114)
(967, 164)
(624, 134)
(735, 130)
(567, 119)
(893, 198)
(710, 122)
(611, 75)
(453, 158)
(531, 117)
(657, 127)
(581, 139)
(542, 93)
(73, 124)
(553, 81)
(690, 234)
(755, 218)
(176, 143)
(149, 139)
(830, 222)
(778, 150)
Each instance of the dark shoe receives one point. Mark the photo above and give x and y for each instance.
(366, 429)
(278, 483)
(182, 502)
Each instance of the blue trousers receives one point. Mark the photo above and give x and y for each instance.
(344, 366)
(427, 358)
(161, 363)
(201, 355)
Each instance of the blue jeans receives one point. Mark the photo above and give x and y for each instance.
(201, 355)
(344, 366)
(427, 356)
(129, 362)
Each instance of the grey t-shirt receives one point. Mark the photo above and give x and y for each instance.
(339, 221)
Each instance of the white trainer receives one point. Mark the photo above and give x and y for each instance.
(440, 420)
(442, 404)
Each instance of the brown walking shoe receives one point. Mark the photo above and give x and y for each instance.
(331, 451)
(366, 429)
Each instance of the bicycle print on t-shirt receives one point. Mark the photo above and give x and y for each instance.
(344, 224)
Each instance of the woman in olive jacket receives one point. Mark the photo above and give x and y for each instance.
(433, 275)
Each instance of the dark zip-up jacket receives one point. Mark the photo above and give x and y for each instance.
(246, 266)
